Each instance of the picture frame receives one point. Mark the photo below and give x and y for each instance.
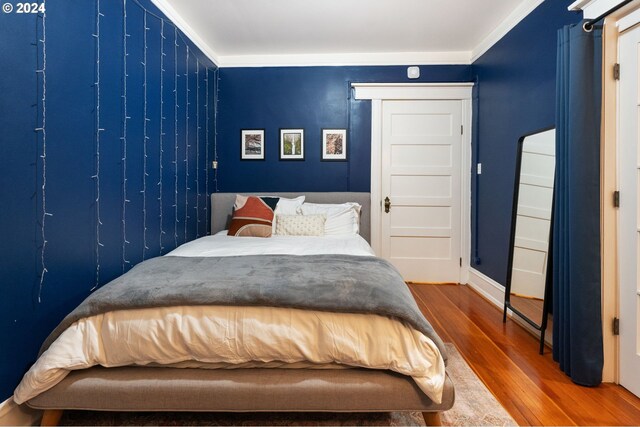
(252, 144)
(334, 145)
(291, 144)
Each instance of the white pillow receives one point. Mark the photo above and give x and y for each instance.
(341, 219)
(286, 207)
(300, 225)
(289, 206)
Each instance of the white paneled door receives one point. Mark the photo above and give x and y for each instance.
(629, 223)
(421, 177)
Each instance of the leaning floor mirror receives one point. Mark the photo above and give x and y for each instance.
(528, 287)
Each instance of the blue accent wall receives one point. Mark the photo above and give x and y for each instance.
(29, 310)
(515, 95)
(311, 98)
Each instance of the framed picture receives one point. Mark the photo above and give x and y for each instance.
(252, 144)
(291, 144)
(334, 145)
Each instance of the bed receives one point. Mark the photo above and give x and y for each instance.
(260, 386)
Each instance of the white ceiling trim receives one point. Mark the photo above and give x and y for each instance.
(166, 8)
(346, 59)
(593, 8)
(507, 25)
(355, 59)
(579, 4)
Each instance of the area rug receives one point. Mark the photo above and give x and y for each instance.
(474, 405)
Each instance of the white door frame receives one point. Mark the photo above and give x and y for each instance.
(615, 24)
(378, 92)
(626, 258)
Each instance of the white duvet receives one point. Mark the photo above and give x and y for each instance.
(222, 245)
(228, 337)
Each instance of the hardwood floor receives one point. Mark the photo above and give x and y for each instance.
(505, 357)
(532, 308)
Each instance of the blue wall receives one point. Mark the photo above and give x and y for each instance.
(516, 86)
(514, 95)
(29, 311)
(311, 98)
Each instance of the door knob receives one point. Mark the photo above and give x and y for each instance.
(387, 205)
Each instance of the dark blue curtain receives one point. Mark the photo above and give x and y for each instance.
(577, 320)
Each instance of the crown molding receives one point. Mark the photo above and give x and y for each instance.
(355, 59)
(505, 26)
(578, 5)
(168, 10)
(345, 59)
(593, 8)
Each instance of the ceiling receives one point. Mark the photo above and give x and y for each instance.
(345, 32)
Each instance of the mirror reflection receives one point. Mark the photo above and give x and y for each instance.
(526, 293)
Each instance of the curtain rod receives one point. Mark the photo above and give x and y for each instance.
(588, 26)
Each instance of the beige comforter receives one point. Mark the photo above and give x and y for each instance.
(233, 336)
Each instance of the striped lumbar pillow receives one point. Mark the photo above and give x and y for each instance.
(252, 216)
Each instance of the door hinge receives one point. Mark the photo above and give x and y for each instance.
(460, 262)
(616, 71)
(616, 326)
(461, 129)
(616, 199)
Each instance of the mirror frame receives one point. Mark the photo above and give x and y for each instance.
(542, 327)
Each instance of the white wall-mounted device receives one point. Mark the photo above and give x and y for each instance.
(413, 72)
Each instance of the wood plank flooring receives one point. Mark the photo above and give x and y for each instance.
(505, 357)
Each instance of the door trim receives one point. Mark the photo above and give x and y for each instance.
(378, 92)
(623, 259)
(608, 184)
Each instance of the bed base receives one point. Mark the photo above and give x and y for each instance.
(52, 417)
(238, 390)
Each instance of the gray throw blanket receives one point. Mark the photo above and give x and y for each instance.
(336, 283)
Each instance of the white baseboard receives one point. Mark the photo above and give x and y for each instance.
(12, 414)
(494, 293)
(487, 287)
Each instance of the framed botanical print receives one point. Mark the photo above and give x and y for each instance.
(291, 144)
(334, 145)
(252, 144)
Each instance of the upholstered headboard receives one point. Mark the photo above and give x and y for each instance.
(222, 206)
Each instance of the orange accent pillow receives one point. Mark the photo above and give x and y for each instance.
(252, 216)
